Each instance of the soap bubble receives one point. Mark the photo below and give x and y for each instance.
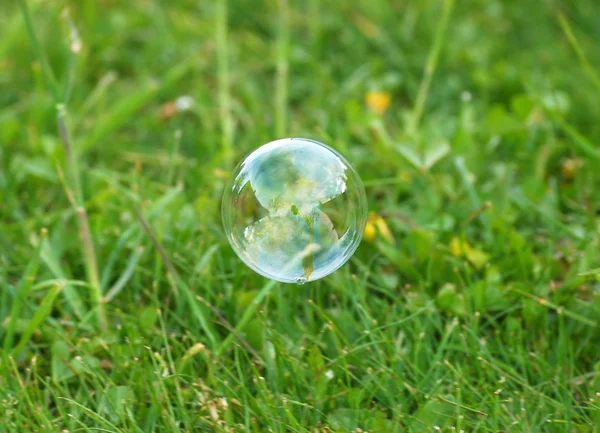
(294, 210)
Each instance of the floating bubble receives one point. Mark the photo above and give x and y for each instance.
(294, 210)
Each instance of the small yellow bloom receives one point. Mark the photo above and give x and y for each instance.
(376, 224)
(383, 228)
(370, 231)
(457, 246)
(378, 101)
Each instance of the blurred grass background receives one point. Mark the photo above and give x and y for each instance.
(472, 305)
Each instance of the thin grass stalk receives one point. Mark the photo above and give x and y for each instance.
(224, 82)
(73, 182)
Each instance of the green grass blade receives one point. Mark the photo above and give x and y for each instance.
(431, 66)
(70, 293)
(177, 282)
(21, 293)
(126, 108)
(583, 60)
(226, 119)
(282, 68)
(46, 69)
(247, 316)
(125, 276)
(38, 318)
(582, 143)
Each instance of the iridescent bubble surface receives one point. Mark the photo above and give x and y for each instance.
(294, 210)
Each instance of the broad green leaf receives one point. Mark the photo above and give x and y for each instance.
(522, 105)
(245, 299)
(477, 257)
(115, 402)
(61, 355)
(431, 414)
(356, 397)
(148, 318)
(255, 334)
(408, 152)
(315, 359)
(500, 122)
(435, 154)
(349, 419)
(450, 301)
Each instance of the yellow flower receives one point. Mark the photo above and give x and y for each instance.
(457, 246)
(378, 101)
(383, 228)
(376, 224)
(370, 231)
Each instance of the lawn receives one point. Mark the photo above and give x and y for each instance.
(473, 302)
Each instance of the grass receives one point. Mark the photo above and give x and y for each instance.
(472, 306)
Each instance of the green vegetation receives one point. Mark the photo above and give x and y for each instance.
(472, 305)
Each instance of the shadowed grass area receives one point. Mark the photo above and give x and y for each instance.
(473, 302)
